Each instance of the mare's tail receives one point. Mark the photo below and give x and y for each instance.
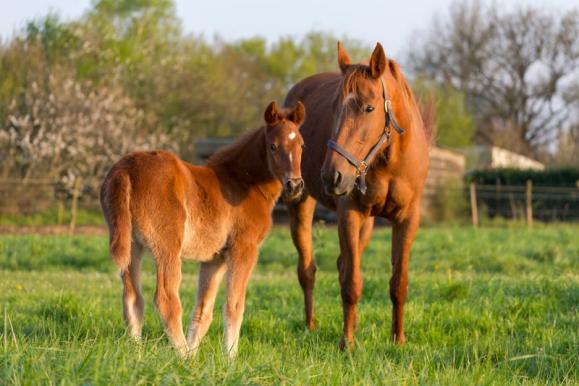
(115, 203)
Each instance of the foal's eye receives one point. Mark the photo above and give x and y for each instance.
(303, 146)
(369, 109)
(273, 147)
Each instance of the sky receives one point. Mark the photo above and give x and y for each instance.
(392, 23)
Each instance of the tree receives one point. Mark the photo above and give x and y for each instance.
(454, 124)
(65, 129)
(515, 69)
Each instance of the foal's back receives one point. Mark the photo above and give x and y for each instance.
(173, 205)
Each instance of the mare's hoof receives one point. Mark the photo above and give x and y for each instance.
(346, 344)
(311, 325)
(398, 339)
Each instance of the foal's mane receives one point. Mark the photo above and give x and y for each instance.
(242, 146)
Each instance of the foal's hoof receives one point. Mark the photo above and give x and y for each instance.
(346, 344)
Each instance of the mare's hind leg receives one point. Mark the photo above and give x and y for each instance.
(239, 266)
(133, 303)
(210, 276)
(301, 215)
(167, 298)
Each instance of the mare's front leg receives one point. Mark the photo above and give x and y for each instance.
(240, 263)
(350, 221)
(301, 215)
(403, 233)
(210, 276)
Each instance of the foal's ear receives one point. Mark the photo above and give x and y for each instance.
(378, 62)
(271, 114)
(343, 58)
(298, 115)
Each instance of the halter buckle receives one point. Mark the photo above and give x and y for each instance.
(362, 168)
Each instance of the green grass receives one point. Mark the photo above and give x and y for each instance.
(493, 306)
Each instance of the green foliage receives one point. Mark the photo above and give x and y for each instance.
(187, 87)
(449, 205)
(556, 177)
(487, 306)
(53, 216)
(455, 125)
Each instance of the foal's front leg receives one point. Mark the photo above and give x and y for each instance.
(210, 276)
(239, 266)
(403, 233)
(349, 223)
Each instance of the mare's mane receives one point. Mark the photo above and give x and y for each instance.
(360, 73)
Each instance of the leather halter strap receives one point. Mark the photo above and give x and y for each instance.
(363, 165)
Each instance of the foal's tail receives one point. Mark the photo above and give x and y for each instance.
(115, 203)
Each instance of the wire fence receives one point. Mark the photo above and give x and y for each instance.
(529, 203)
(48, 202)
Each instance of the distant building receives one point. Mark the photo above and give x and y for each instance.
(492, 157)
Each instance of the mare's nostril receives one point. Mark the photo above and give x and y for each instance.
(337, 178)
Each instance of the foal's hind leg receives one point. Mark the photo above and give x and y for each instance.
(167, 299)
(133, 303)
(210, 276)
(301, 215)
(239, 266)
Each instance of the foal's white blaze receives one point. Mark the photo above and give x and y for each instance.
(291, 136)
(291, 157)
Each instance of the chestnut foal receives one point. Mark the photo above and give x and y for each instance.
(216, 214)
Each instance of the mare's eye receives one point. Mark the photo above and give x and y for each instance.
(273, 147)
(369, 109)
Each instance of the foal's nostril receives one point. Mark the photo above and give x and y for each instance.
(294, 184)
(337, 178)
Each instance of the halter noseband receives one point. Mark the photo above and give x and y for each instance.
(363, 165)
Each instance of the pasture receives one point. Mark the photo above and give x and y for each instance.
(489, 306)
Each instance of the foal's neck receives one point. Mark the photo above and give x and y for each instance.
(245, 164)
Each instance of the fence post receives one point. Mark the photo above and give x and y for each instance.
(529, 203)
(73, 209)
(473, 205)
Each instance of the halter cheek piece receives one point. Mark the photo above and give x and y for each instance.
(363, 165)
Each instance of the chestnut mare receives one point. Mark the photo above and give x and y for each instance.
(366, 139)
(216, 214)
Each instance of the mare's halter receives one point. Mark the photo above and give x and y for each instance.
(363, 165)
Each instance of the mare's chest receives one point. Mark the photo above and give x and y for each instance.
(388, 196)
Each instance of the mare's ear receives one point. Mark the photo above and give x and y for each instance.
(343, 58)
(298, 115)
(378, 62)
(271, 114)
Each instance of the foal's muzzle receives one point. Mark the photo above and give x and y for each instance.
(293, 187)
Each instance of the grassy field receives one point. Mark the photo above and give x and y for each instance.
(494, 306)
